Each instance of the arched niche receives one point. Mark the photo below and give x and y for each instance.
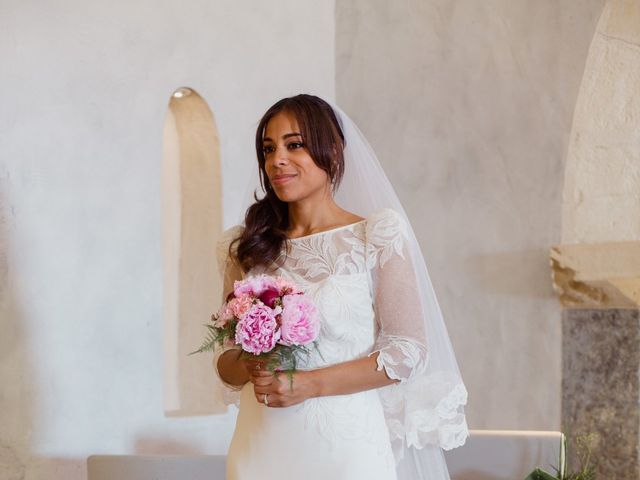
(191, 223)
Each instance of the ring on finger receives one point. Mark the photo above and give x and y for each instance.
(266, 399)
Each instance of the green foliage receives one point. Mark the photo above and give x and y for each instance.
(583, 449)
(538, 474)
(587, 469)
(216, 336)
(283, 359)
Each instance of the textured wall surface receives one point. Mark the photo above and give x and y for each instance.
(469, 106)
(601, 361)
(85, 91)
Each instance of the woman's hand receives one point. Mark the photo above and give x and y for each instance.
(253, 363)
(280, 390)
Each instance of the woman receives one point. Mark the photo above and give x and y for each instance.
(383, 395)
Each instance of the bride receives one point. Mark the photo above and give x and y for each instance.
(382, 396)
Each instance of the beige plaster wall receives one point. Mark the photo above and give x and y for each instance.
(85, 91)
(469, 105)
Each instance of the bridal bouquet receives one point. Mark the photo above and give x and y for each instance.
(269, 318)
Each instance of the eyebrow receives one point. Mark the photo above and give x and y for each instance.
(285, 136)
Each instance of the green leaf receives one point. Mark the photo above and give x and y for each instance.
(539, 474)
(209, 342)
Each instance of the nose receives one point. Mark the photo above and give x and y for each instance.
(280, 156)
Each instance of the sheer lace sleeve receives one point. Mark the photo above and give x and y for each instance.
(425, 407)
(230, 271)
(401, 340)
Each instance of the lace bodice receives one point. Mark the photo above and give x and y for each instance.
(362, 281)
(337, 268)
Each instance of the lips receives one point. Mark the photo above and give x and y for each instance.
(283, 178)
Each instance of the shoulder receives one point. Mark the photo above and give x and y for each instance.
(233, 231)
(386, 224)
(386, 232)
(227, 236)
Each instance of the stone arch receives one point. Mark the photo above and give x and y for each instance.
(598, 262)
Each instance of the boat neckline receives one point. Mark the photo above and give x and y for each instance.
(329, 230)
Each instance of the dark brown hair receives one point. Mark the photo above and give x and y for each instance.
(267, 220)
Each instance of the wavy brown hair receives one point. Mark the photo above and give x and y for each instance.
(267, 220)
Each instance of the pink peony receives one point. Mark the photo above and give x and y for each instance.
(300, 324)
(285, 287)
(269, 297)
(257, 332)
(240, 305)
(254, 285)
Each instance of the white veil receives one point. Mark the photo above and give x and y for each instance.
(425, 414)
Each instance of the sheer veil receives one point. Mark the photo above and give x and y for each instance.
(425, 414)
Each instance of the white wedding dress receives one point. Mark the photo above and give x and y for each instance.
(364, 287)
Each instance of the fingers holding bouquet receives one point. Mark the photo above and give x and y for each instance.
(260, 366)
(275, 389)
(272, 385)
(254, 365)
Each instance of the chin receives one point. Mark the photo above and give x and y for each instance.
(285, 197)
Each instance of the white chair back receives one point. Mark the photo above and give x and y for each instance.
(505, 454)
(156, 467)
(487, 455)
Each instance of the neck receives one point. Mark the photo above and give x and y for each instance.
(311, 214)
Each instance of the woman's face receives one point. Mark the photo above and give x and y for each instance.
(286, 154)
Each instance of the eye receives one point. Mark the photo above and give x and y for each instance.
(269, 148)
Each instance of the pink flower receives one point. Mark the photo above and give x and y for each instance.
(257, 332)
(285, 287)
(240, 305)
(269, 297)
(300, 324)
(254, 285)
(224, 315)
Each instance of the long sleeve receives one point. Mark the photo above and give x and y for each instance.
(230, 271)
(426, 406)
(401, 340)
